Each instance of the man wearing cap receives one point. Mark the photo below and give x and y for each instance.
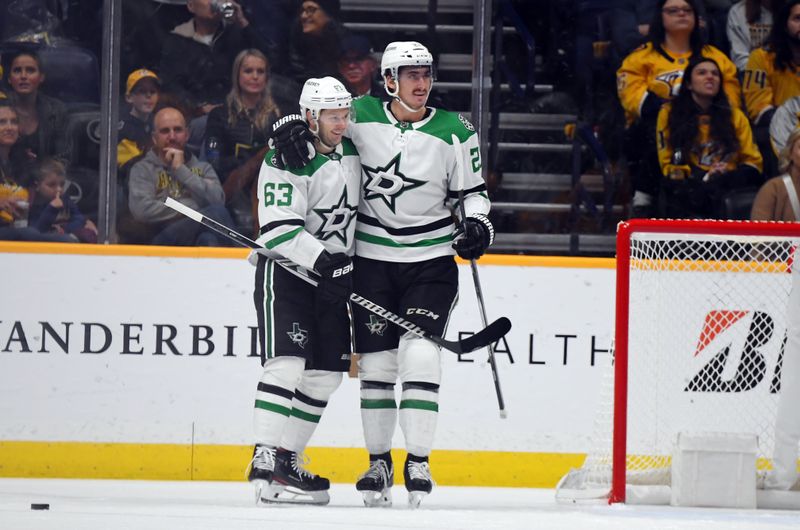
(141, 93)
(357, 67)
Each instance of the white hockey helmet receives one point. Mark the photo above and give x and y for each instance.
(404, 53)
(323, 93)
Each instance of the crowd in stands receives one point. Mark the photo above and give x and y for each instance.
(707, 110)
(707, 94)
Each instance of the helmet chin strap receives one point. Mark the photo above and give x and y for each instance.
(409, 109)
(396, 95)
(315, 131)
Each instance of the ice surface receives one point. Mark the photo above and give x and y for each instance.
(144, 505)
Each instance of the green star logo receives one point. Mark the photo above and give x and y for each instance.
(336, 219)
(377, 325)
(387, 183)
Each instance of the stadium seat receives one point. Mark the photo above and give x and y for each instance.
(83, 136)
(73, 75)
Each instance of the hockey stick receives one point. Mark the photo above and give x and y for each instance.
(501, 404)
(488, 335)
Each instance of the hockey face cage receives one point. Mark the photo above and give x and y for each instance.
(699, 338)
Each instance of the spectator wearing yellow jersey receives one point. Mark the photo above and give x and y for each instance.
(652, 75)
(705, 147)
(772, 77)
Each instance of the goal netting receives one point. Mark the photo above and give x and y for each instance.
(699, 336)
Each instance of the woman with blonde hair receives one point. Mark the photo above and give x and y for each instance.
(778, 199)
(238, 131)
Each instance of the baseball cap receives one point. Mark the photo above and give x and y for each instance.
(355, 47)
(138, 75)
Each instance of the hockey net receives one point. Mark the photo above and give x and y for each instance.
(699, 333)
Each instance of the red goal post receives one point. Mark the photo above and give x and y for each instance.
(698, 342)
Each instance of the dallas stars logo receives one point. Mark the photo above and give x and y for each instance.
(298, 336)
(377, 325)
(388, 183)
(336, 219)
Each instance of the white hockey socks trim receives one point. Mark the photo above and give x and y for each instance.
(310, 400)
(274, 397)
(378, 372)
(419, 413)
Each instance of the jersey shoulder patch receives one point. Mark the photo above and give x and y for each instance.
(445, 124)
(271, 159)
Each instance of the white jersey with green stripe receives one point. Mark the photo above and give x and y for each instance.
(305, 211)
(409, 181)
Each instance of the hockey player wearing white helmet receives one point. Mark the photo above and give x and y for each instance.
(307, 219)
(405, 242)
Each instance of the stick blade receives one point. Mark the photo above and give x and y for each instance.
(489, 335)
(183, 209)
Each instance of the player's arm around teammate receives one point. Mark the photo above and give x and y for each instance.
(411, 178)
(307, 219)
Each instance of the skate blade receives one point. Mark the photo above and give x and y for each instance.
(261, 486)
(415, 498)
(377, 499)
(288, 495)
(268, 492)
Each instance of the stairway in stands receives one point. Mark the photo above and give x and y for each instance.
(552, 194)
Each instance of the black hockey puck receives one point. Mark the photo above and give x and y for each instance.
(40, 506)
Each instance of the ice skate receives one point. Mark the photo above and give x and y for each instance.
(376, 483)
(291, 483)
(418, 481)
(260, 470)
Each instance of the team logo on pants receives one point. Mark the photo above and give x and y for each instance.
(377, 325)
(298, 336)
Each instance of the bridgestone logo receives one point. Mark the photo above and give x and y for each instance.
(752, 367)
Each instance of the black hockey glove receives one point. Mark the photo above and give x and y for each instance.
(336, 283)
(473, 237)
(292, 141)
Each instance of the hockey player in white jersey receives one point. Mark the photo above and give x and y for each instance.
(405, 241)
(307, 219)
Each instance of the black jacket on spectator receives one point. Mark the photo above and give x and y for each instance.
(315, 55)
(49, 139)
(237, 142)
(197, 73)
